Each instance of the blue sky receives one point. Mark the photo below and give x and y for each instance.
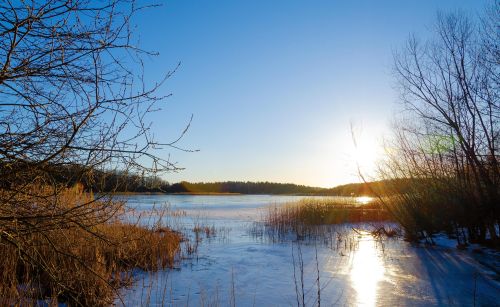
(274, 86)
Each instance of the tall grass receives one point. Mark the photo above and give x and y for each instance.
(300, 216)
(80, 265)
(438, 205)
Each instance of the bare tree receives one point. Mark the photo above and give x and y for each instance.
(73, 104)
(448, 138)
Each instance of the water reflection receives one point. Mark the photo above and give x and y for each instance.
(366, 271)
(364, 199)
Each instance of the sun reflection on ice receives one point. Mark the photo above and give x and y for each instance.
(366, 271)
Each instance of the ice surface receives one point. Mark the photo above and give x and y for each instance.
(238, 267)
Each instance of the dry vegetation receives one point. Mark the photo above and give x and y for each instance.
(298, 216)
(73, 109)
(77, 264)
(446, 139)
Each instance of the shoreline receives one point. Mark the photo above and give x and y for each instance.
(179, 193)
(222, 194)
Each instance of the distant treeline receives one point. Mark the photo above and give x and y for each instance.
(122, 182)
(242, 188)
(373, 189)
(119, 181)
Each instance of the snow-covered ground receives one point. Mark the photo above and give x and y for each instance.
(236, 266)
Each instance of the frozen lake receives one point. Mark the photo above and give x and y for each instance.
(244, 267)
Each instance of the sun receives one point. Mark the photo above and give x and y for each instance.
(367, 149)
(365, 154)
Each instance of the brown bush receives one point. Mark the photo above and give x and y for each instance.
(82, 261)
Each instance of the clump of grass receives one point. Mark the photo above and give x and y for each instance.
(317, 218)
(191, 246)
(209, 231)
(82, 261)
(315, 212)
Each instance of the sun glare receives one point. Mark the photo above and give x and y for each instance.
(366, 271)
(363, 200)
(366, 155)
(366, 151)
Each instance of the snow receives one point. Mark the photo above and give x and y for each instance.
(236, 266)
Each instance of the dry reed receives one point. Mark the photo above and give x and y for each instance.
(315, 212)
(79, 264)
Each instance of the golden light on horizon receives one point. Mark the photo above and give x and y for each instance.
(363, 200)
